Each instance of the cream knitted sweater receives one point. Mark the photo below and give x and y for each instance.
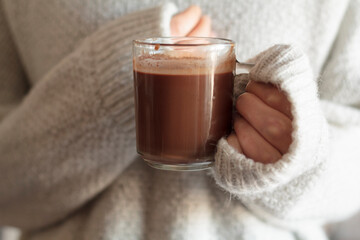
(68, 166)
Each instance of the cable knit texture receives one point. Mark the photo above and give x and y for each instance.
(68, 164)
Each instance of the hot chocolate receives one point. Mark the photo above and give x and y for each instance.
(181, 112)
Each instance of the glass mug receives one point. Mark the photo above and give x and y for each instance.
(183, 99)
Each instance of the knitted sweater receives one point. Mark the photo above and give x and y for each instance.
(68, 165)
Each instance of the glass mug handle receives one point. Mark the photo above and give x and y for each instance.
(242, 67)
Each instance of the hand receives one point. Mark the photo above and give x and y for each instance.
(263, 125)
(191, 22)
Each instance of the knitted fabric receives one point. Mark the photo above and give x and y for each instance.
(68, 165)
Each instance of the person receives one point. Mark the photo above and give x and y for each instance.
(68, 163)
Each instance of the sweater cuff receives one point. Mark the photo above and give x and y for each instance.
(167, 11)
(287, 67)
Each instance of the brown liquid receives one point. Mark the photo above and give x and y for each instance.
(180, 118)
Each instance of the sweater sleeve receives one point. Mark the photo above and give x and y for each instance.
(74, 132)
(317, 180)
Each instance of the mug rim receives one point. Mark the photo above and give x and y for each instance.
(165, 41)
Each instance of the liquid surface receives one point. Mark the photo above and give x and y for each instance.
(180, 118)
(181, 64)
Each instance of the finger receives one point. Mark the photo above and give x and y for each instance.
(234, 142)
(182, 23)
(273, 125)
(203, 28)
(253, 145)
(271, 95)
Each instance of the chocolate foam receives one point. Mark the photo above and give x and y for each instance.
(183, 65)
